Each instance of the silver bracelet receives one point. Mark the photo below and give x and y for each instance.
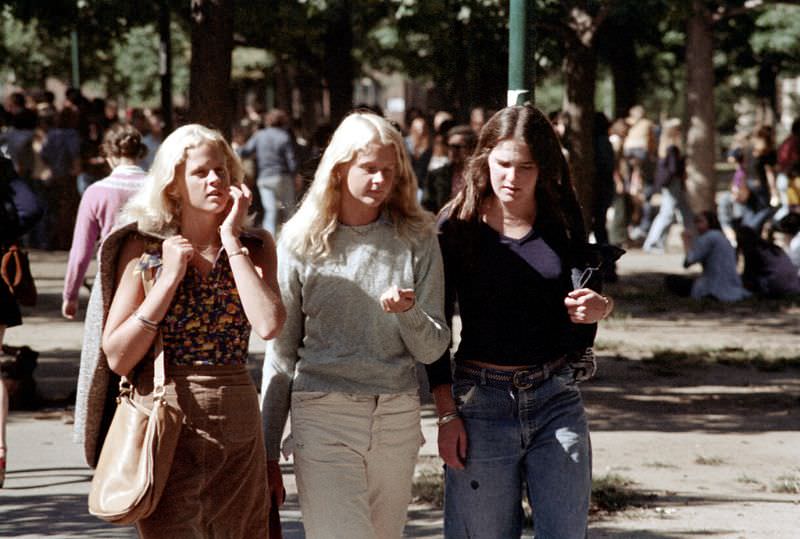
(447, 418)
(147, 324)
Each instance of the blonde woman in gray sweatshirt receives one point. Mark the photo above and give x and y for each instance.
(361, 277)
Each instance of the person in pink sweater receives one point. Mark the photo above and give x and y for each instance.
(122, 148)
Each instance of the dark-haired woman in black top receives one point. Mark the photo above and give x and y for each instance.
(511, 412)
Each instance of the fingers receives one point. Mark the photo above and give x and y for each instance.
(397, 300)
(584, 306)
(69, 309)
(277, 492)
(453, 444)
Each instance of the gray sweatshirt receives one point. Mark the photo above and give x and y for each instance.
(337, 338)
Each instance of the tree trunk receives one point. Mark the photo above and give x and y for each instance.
(210, 102)
(700, 140)
(580, 69)
(339, 67)
(624, 71)
(165, 64)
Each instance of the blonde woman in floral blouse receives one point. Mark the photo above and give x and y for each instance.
(214, 282)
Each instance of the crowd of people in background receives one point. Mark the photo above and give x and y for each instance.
(648, 170)
(85, 159)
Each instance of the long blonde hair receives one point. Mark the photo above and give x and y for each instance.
(308, 232)
(156, 207)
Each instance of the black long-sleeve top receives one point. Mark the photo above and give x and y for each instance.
(510, 294)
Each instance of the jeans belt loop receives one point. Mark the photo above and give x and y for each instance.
(483, 377)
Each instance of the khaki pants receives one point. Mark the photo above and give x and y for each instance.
(217, 486)
(354, 459)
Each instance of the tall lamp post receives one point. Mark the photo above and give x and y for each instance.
(76, 62)
(520, 79)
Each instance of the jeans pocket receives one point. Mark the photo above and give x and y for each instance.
(463, 391)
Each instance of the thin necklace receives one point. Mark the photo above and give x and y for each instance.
(206, 247)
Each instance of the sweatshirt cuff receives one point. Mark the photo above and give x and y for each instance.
(414, 317)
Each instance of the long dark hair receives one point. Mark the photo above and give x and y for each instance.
(557, 204)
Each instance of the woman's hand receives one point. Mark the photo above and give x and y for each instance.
(176, 252)
(397, 300)
(69, 308)
(586, 306)
(453, 444)
(277, 494)
(241, 198)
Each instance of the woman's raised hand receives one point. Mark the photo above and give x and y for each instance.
(176, 252)
(241, 198)
(585, 306)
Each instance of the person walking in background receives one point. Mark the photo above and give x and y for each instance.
(638, 149)
(60, 153)
(766, 159)
(670, 180)
(274, 151)
(122, 148)
(714, 252)
(511, 413)
(215, 279)
(419, 145)
(443, 183)
(604, 186)
(360, 273)
(19, 211)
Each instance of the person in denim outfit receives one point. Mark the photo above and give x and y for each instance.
(274, 151)
(511, 413)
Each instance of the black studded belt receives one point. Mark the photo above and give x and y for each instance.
(524, 378)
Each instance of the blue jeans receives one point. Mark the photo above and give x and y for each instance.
(278, 200)
(537, 437)
(673, 198)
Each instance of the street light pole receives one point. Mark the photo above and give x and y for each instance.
(76, 66)
(520, 87)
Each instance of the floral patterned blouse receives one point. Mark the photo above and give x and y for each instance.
(205, 323)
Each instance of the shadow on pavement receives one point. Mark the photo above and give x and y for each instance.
(62, 515)
(713, 398)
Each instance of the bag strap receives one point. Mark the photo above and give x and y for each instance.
(159, 376)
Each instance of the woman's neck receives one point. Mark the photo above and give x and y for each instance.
(353, 214)
(202, 230)
(513, 221)
(115, 162)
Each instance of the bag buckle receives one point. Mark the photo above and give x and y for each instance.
(125, 387)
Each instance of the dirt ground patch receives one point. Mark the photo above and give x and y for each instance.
(696, 408)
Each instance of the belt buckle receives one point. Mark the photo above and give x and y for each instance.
(516, 380)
